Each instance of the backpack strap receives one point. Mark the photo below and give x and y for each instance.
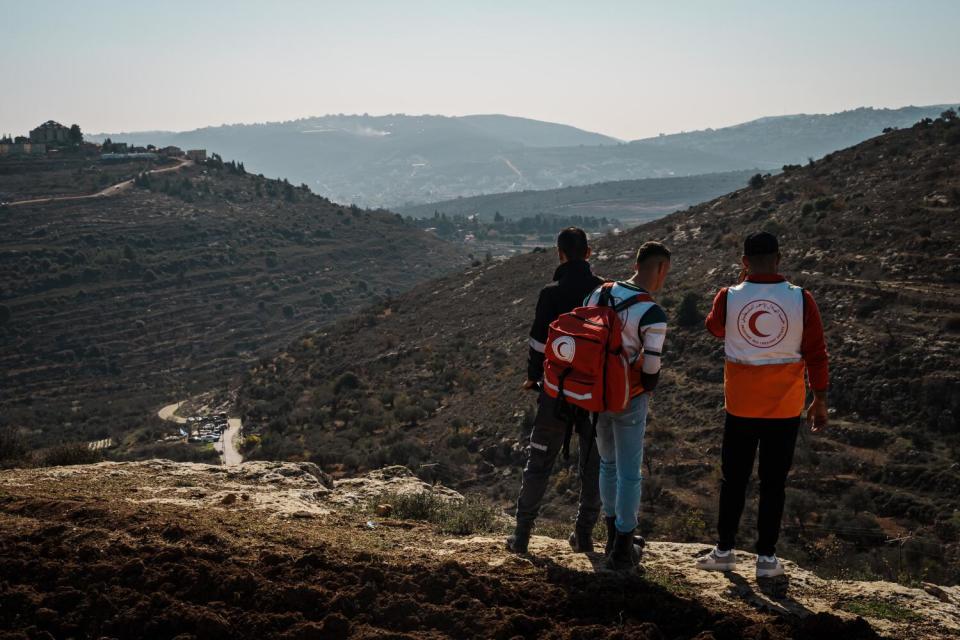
(606, 298)
(629, 302)
(606, 295)
(564, 412)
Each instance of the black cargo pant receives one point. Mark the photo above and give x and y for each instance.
(776, 439)
(546, 442)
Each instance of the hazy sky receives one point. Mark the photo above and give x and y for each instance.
(628, 69)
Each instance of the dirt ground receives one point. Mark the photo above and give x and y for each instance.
(164, 550)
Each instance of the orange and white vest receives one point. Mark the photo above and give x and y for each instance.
(764, 369)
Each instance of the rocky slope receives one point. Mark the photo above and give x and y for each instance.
(280, 550)
(115, 306)
(431, 379)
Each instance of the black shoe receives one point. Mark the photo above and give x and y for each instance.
(611, 522)
(581, 540)
(519, 541)
(624, 556)
(639, 543)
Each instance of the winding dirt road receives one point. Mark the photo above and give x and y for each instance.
(106, 193)
(226, 446)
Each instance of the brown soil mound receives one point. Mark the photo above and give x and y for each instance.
(85, 556)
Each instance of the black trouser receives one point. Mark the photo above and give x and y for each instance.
(776, 439)
(546, 442)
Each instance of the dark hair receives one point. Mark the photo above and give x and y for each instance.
(573, 242)
(652, 249)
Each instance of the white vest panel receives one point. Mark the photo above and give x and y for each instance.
(764, 323)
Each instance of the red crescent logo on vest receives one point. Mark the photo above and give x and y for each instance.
(763, 323)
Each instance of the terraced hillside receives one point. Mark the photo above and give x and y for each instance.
(109, 308)
(431, 379)
(632, 201)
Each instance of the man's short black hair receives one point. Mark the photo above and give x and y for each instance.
(652, 249)
(761, 243)
(573, 242)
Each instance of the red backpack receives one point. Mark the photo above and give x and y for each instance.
(585, 363)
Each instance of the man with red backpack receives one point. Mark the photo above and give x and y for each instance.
(620, 429)
(572, 281)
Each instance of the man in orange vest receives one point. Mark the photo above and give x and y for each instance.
(772, 336)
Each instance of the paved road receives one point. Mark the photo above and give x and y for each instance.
(106, 193)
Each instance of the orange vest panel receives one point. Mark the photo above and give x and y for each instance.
(764, 391)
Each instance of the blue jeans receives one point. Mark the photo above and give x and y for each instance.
(620, 443)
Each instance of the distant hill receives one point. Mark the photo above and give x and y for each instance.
(113, 307)
(631, 201)
(381, 160)
(431, 379)
(792, 139)
(400, 160)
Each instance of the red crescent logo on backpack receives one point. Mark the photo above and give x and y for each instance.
(763, 323)
(565, 348)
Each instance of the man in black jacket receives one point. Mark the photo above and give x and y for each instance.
(572, 282)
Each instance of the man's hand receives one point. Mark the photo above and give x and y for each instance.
(529, 384)
(817, 412)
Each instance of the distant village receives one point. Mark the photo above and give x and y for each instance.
(51, 139)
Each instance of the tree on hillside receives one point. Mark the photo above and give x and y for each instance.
(12, 445)
(688, 313)
(756, 181)
(75, 136)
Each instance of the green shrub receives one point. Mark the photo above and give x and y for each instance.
(346, 381)
(877, 608)
(688, 313)
(250, 443)
(756, 181)
(472, 514)
(67, 454)
(951, 324)
(688, 526)
(13, 448)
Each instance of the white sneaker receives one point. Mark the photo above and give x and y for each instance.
(769, 567)
(718, 560)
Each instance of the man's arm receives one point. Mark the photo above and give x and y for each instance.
(716, 321)
(814, 351)
(538, 338)
(653, 333)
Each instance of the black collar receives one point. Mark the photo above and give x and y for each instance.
(572, 268)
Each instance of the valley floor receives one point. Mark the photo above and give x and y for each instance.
(260, 550)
